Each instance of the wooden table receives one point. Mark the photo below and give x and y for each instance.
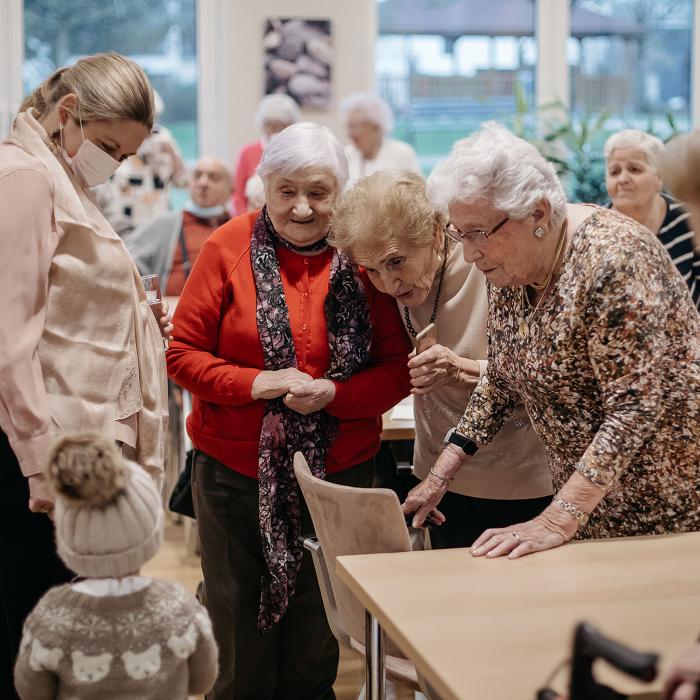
(403, 429)
(494, 629)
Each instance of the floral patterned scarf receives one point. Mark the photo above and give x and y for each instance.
(284, 431)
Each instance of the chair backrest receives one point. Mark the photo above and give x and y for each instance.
(351, 520)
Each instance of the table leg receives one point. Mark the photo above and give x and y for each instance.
(374, 659)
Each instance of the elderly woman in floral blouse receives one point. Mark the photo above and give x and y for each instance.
(591, 326)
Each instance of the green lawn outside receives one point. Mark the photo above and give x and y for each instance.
(185, 134)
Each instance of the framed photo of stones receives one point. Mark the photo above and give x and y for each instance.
(299, 60)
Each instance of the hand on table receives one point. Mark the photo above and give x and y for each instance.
(439, 366)
(270, 383)
(40, 495)
(308, 397)
(536, 535)
(684, 678)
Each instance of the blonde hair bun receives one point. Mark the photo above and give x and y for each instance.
(88, 468)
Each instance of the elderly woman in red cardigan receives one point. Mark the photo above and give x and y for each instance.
(285, 346)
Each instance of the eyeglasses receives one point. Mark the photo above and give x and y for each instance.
(475, 236)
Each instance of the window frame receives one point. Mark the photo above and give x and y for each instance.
(214, 109)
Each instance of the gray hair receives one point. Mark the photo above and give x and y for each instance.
(304, 145)
(277, 108)
(651, 146)
(372, 107)
(504, 169)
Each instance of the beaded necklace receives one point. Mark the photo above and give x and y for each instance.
(433, 316)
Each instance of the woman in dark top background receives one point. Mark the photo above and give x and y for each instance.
(634, 185)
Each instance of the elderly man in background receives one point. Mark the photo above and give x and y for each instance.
(368, 120)
(169, 244)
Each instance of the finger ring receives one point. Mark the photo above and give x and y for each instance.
(517, 537)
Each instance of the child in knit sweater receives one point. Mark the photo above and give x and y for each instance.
(114, 634)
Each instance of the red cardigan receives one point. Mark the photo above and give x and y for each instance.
(216, 353)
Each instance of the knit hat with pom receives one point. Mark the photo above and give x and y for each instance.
(109, 516)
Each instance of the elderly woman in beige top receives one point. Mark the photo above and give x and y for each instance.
(79, 348)
(387, 224)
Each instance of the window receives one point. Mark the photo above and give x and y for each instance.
(447, 66)
(158, 34)
(632, 58)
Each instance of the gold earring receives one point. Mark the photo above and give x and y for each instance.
(539, 232)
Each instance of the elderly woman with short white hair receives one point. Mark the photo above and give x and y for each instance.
(634, 185)
(273, 114)
(368, 120)
(285, 347)
(592, 328)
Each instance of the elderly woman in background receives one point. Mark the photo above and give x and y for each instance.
(634, 185)
(273, 114)
(592, 327)
(368, 120)
(285, 346)
(386, 224)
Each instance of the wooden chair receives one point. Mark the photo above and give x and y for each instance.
(350, 520)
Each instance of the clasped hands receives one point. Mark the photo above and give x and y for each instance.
(302, 393)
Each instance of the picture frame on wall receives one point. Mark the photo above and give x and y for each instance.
(299, 60)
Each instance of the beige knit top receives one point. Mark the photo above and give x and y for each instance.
(514, 465)
(79, 348)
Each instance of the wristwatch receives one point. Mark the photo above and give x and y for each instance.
(469, 447)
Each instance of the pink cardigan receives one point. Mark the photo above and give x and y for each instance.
(79, 348)
(248, 161)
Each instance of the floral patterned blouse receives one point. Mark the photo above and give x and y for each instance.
(607, 369)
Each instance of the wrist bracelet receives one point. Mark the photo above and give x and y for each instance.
(444, 479)
(571, 509)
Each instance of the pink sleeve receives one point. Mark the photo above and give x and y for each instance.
(248, 161)
(240, 204)
(27, 245)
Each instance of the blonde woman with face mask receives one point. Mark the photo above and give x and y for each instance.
(79, 348)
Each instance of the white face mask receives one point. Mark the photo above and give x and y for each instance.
(205, 212)
(91, 165)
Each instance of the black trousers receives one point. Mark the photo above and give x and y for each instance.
(467, 517)
(298, 658)
(29, 565)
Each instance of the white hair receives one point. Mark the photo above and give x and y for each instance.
(496, 165)
(158, 105)
(651, 146)
(304, 145)
(372, 107)
(277, 108)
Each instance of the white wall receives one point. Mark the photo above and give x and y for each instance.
(353, 26)
(11, 58)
